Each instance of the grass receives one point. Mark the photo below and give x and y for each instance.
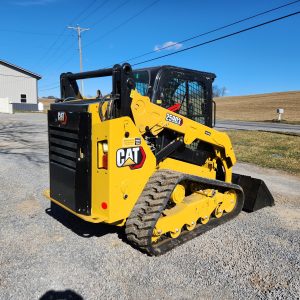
(261, 107)
(266, 149)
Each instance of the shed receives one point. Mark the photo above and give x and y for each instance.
(18, 86)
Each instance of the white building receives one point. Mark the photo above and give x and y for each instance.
(18, 86)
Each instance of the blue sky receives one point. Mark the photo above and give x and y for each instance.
(267, 59)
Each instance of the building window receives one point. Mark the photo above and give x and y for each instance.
(23, 98)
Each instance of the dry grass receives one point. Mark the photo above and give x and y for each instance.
(261, 107)
(272, 150)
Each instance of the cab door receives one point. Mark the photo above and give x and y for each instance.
(185, 92)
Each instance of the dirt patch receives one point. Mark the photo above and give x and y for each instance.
(287, 200)
(266, 283)
(289, 218)
(29, 207)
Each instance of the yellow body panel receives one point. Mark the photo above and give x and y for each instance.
(115, 190)
(149, 115)
(119, 187)
(83, 217)
(180, 166)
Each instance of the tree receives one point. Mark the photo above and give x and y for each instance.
(219, 92)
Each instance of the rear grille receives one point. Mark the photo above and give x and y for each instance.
(70, 159)
(63, 146)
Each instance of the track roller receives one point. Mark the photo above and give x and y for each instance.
(169, 212)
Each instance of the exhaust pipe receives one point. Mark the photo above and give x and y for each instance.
(257, 194)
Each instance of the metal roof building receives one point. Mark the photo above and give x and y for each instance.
(18, 85)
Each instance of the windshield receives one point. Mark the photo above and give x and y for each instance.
(141, 79)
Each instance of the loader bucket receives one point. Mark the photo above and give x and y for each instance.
(257, 194)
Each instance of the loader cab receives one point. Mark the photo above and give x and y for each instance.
(184, 91)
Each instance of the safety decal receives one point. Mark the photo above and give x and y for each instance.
(174, 119)
(133, 157)
(138, 141)
(62, 117)
(128, 142)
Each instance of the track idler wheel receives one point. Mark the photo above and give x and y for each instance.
(175, 234)
(191, 226)
(218, 212)
(178, 194)
(231, 202)
(205, 219)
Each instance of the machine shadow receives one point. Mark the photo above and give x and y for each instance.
(79, 226)
(61, 295)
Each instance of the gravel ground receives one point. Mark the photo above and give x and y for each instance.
(254, 256)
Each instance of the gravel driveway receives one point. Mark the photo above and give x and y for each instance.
(254, 256)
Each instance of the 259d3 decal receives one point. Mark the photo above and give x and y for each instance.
(174, 119)
(133, 157)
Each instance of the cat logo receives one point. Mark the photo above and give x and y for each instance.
(62, 117)
(133, 157)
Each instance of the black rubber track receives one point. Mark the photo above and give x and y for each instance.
(153, 200)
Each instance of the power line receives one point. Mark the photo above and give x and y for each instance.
(63, 31)
(225, 36)
(110, 13)
(51, 88)
(219, 38)
(77, 17)
(94, 11)
(216, 39)
(126, 21)
(213, 30)
(123, 23)
(97, 22)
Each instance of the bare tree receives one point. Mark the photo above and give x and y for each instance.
(219, 92)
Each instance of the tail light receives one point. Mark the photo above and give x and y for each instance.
(105, 161)
(102, 155)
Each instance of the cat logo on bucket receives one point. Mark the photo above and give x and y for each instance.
(62, 117)
(133, 157)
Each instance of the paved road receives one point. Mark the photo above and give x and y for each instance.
(264, 126)
(255, 256)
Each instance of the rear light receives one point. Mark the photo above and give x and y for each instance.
(105, 147)
(102, 156)
(104, 205)
(105, 161)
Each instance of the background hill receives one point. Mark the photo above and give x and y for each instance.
(260, 107)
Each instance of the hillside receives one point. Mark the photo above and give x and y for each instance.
(260, 107)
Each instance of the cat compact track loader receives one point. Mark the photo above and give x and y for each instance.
(146, 157)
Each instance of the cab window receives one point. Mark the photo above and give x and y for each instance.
(183, 93)
(141, 79)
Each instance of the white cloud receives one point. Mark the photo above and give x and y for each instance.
(168, 46)
(34, 2)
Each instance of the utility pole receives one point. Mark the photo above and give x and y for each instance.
(79, 31)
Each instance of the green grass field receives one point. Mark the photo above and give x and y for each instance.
(272, 150)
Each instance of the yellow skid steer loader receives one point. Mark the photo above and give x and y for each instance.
(146, 157)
